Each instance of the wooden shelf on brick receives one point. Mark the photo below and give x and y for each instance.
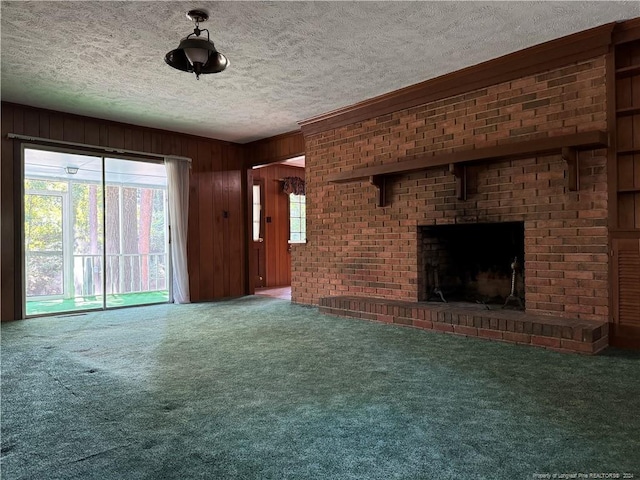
(628, 71)
(567, 145)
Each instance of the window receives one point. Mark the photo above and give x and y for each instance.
(297, 219)
(256, 213)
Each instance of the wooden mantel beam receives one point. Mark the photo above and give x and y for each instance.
(541, 146)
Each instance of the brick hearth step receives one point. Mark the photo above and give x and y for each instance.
(468, 319)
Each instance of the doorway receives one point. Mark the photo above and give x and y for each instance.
(95, 232)
(279, 221)
(258, 248)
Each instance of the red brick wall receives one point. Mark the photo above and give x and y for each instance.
(357, 248)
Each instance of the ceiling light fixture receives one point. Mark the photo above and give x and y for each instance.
(195, 53)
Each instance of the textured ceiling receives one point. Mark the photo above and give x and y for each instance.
(289, 60)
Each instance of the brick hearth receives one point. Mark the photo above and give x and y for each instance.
(562, 334)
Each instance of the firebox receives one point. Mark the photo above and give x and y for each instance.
(480, 263)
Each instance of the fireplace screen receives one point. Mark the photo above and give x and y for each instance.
(479, 263)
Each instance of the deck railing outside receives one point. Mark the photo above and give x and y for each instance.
(124, 273)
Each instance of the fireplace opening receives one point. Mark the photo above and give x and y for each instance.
(482, 263)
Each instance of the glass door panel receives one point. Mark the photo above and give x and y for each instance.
(137, 259)
(88, 237)
(62, 232)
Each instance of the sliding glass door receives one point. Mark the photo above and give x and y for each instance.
(95, 232)
(137, 260)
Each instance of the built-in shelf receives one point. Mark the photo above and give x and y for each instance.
(629, 151)
(629, 190)
(622, 112)
(567, 145)
(628, 71)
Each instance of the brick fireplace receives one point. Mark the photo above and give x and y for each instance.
(523, 206)
(517, 168)
(362, 249)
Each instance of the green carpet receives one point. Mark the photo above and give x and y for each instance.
(258, 388)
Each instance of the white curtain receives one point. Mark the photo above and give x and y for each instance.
(178, 189)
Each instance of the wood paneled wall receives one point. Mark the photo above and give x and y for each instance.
(276, 235)
(275, 149)
(216, 241)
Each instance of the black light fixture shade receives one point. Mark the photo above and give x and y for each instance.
(195, 53)
(177, 58)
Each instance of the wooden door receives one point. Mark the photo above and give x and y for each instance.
(626, 291)
(258, 234)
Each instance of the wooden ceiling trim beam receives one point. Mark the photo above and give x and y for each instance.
(274, 149)
(553, 54)
(628, 31)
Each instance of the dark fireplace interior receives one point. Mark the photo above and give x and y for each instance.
(473, 263)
